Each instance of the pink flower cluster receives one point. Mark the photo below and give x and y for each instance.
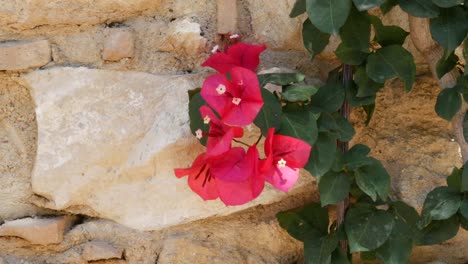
(233, 174)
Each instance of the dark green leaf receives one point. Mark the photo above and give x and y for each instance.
(448, 103)
(270, 114)
(388, 5)
(420, 8)
(349, 55)
(464, 178)
(367, 4)
(333, 187)
(398, 247)
(366, 86)
(388, 35)
(367, 229)
(369, 109)
(328, 15)
(368, 256)
(447, 3)
(454, 179)
(196, 120)
(300, 124)
(373, 180)
(464, 208)
(463, 222)
(314, 39)
(339, 257)
(356, 157)
(298, 8)
(407, 214)
(301, 221)
(354, 100)
(355, 33)
(438, 231)
(280, 78)
(298, 93)
(440, 204)
(336, 125)
(449, 29)
(392, 61)
(193, 92)
(329, 98)
(322, 155)
(444, 65)
(318, 250)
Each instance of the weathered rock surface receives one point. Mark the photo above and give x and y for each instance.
(23, 55)
(183, 37)
(118, 44)
(42, 231)
(109, 138)
(18, 14)
(98, 250)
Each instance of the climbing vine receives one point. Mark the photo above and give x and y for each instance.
(304, 126)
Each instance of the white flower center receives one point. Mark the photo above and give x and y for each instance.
(221, 89)
(199, 133)
(234, 36)
(215, 49)
(281, 163)
(206, 120)
(236, 100)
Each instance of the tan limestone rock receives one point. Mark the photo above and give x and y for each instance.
(42, 231)
(23, 55)
(118, 44)
(109, 141)
(99, 250)
(183, 36)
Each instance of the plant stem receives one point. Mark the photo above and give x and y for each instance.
(344, 146)
(240, 142)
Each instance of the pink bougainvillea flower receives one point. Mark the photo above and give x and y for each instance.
(238, 101)
(220, 135)
(284, 157)
(233, 176)
(240, 54)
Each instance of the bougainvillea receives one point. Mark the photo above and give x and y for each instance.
(233, 174)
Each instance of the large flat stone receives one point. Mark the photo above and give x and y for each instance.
(22, 55)
(108, 142)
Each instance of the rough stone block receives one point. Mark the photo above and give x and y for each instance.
(118, 44)
(23, 55)
(42, 231)
(100, 250)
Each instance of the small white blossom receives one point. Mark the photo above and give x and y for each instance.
(281, 163)
(215, 49)
(234, 36)
(206, 120)
(199, 133)
(221, 89)
(236, 100)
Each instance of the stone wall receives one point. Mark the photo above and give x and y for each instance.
(93, 118)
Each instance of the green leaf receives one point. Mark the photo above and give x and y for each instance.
(454, 179)
(392, 61)
(339, 257)
(299, 123)
(336, 125)
(447, 3)
(270, 114)
(356, 157)
(298, 93)
(354, 100)
(322, 155)
(463, 222)
(314, 40)
(298, 9)
(366, 86)
(369, 109)
(464, 208)
(388, 35)
(367, 4)
(298, 223)
(388, 5)
(420, 8)
(407, 214)
(373, 180)
(280, 78)
(367, 229)
(328, 15)
(349, 55)
(398, 247)
(329, 97)
(464, 178)
(318, 250)
(448, 103)
(449, 29)
(445, 65)
(440, 204)
(355, 33)
(438, 231)
(196, 120)
(333, 187)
